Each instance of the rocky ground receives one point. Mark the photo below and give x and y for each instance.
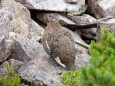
(22, 23)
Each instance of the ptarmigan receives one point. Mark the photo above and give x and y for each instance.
(59, 44)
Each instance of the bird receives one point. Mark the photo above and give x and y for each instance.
(59, 44)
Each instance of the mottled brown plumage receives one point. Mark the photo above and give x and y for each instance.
(58, 42)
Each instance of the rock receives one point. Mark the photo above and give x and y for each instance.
(5, 48)
(25, 49)
(35, 31)
(72, 1)
(21, 21)
(4, 23)
(15, 64)
(46, 17)
(82, 56)
(82, 60)
(41, 71)
(85, 19)
(54, 5)
(88, 33)
(107, 22)
(5, 43)
(2, 68)
(102, 8)
(20, 17)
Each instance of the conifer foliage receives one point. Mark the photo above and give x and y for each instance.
(101, 71)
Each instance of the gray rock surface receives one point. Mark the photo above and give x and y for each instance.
(20, 20)
(15, 64)
(4, 23)
(2, 68)
(42, 71)
(5, 48)
(102, 8)
(5, 43)
(35, 31)
(82, 56)
(72, 1)
(55, 5)
(25, 49)
(85, 19)
(107, 22)
(82, 60)
(77, 38)
(20, 17)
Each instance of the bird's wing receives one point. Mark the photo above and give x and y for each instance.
(68, 34)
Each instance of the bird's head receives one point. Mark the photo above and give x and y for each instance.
(53, 22)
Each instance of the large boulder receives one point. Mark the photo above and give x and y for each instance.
(41, 70)
(15, 64)
(5, 43)
(107, 22)
(35, 31)
(25, 49)
(4, 23)
(55, 5)
(20, 17)
(82, 60)
(102, 8)
(90, 33)
(5, 48)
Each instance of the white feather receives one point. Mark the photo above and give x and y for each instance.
(47, 45)
(59, 62)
